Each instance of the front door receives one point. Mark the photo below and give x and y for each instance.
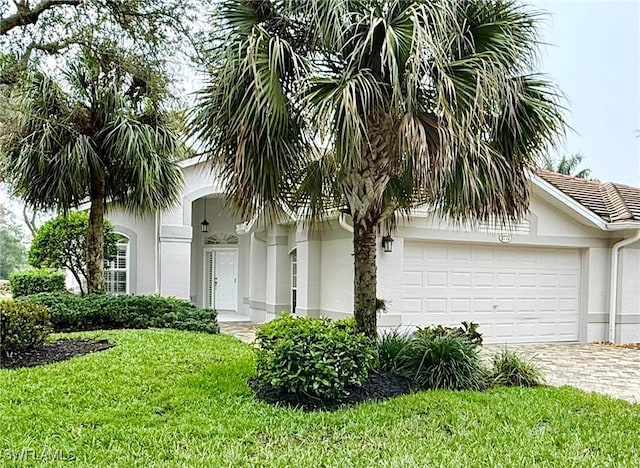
(222, 284)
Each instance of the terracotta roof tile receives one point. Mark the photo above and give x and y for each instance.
(611, 202)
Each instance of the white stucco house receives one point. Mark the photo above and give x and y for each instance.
(570, 272)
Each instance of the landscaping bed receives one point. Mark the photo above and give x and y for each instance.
(55, 351)
(377, 387)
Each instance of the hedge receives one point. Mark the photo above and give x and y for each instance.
(70, 312)
(26, 282)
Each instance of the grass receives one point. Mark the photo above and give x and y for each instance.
(170, 398)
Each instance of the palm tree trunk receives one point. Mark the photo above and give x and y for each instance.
(95, 235)
(365, 279)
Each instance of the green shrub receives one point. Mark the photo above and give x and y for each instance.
(444, 361)
(24, 325)
(512, 370)
(311, 358)
(468, 330)
(391, 345)
(26, 282)
(70, 312)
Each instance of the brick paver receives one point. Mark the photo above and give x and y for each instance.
(244, 331)
(589, 367)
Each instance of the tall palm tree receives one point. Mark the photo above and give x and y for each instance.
(568, 165)
(373, 107)
(97, 133)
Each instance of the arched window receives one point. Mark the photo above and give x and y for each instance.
(116, 275)
(294, 279)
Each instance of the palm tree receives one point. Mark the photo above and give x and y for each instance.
(373, 107)
(96, 134)
(567, 165)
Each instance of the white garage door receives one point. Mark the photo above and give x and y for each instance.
(515, 294)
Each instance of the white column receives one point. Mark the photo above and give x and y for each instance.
(278, 287)
(257, 277)
(175, 261)
(308, 251)
(244, 268)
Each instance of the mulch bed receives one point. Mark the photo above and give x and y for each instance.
(377, 387)
(616, 345)
(55, 351)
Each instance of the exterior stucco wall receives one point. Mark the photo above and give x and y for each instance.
(142, 248)
(325, 262)
(628, 319)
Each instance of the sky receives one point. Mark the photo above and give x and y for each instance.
(594, 57)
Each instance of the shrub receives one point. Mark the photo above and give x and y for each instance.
(69, 312)
(442, 361)
(311, 358)
(24, 325)
(512, 370)
(26, 282)
(391, 345)
(468, 330)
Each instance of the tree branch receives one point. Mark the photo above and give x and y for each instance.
(26, 15)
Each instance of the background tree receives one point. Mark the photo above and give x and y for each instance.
(374, 107)
(32, 29)
(100, 134)
(13, 253)
(568, 165)
(62, 243)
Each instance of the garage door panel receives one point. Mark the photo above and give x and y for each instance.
(514, 294)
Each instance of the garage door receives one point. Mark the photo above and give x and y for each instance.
(515, 294)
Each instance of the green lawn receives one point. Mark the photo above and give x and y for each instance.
(169, 398)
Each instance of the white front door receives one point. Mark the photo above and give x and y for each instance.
(221, 282)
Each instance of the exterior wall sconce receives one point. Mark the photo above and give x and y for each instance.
(387, 243)
(204, 225)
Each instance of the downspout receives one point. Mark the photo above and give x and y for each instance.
(157, 252)
(613, 291)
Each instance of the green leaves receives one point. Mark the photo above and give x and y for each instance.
(24, 325)
(105, 119)
(436, 98)
(61, 243)
(70, 312)
(312, 359)
(35, 281)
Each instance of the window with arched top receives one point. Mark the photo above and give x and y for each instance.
(116, 275)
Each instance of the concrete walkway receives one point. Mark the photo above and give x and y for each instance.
(589, 367)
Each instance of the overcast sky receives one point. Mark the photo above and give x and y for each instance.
(594, 57)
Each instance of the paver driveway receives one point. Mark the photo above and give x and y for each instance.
(589, 367)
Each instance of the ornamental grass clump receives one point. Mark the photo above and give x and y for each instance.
(513, 370)
(442, 361)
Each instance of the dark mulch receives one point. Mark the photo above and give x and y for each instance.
(377, 387)
(618, 345)
(55, 351)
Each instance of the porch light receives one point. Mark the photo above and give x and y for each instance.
(204, 225)
(387, 243)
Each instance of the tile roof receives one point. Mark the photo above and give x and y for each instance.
(611, 202)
